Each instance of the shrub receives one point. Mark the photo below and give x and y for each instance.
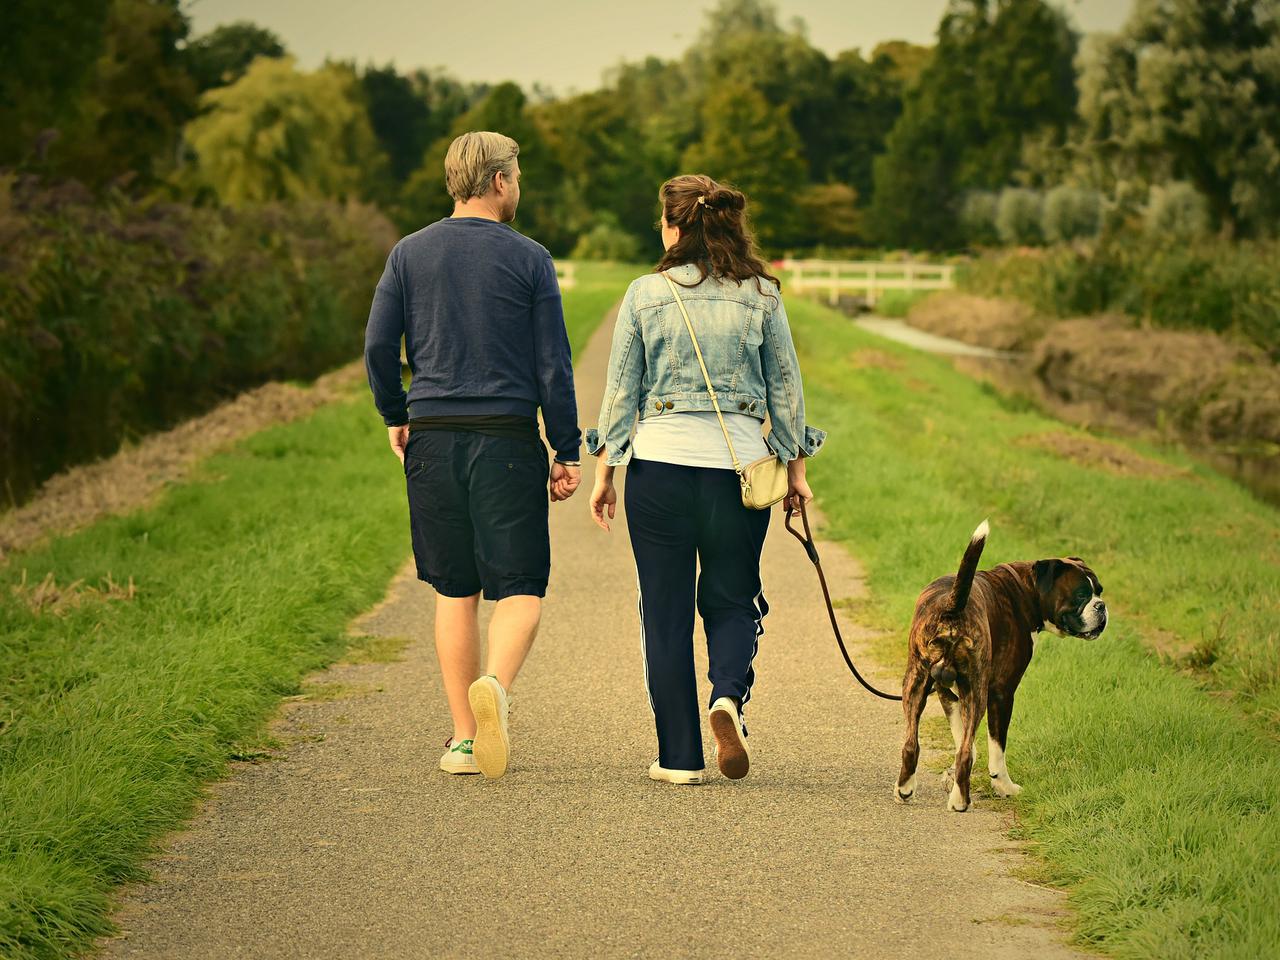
(123, 316)
(978, 217)
(607, 241)
(1070, 213)
(1207, 284)
(898, 303)
(981, 321)
(1176, 211)
(1018, 216)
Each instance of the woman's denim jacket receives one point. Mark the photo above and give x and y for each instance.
(747, 346)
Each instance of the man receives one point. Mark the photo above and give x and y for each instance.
(479, 308)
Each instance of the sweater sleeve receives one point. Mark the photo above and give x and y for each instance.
(382, 338)
(554, 362)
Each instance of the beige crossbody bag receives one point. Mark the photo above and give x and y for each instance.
(764, 481)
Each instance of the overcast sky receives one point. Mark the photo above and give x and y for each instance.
(565, 45)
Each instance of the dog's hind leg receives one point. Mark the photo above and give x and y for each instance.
(999, 712)
(948, 700)
(973, 704)
(915, 692)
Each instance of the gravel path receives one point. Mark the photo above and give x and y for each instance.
(350, 844)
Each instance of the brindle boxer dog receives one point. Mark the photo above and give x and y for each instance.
(971, 637)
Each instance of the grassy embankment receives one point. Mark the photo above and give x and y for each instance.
(1148, 791)
(114, 711)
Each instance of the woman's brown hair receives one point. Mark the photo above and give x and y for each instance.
(714, 233)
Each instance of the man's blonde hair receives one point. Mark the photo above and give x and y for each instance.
(473, 159)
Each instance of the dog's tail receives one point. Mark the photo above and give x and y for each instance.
(968, 567)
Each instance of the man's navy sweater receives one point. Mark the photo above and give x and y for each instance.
(479, 308)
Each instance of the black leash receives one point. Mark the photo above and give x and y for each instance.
(810, 548)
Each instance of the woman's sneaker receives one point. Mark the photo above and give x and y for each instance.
(458, 757)
(657, 772)
(492, 747)
(731, 742)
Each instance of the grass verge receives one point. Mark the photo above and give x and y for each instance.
(117, 704)
(1148, 792)
(898, 303)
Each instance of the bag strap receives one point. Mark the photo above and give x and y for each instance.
(706, 376)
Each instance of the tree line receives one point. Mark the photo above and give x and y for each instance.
(1010, 128)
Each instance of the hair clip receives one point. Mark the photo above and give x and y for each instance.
(702, 199)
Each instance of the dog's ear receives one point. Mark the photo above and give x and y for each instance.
(1046, 573)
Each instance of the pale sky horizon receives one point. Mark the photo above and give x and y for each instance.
(565, 46)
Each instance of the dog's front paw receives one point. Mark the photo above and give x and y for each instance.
(905, 792)
(955, 801)
(1004, 787)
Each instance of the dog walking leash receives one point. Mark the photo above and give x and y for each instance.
(806, 540)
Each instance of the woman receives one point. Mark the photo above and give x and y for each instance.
(683, 501)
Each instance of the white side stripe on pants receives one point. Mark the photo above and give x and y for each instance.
(759, 603)
(644, 651)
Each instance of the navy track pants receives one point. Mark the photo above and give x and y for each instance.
(678, 516)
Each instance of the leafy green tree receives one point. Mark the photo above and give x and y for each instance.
(401, 121)
(915, 181)
(406, 130)
(131, 120)
(48, 52)
(865, 103)
(1190, 90)
(123, 111)
(222, 55)
(607, 162)
(902, 62)
(829, 214)
(1001, 75)
(280, 134)
(752, 145)
(504, 110)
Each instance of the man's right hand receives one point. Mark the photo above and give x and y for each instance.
(564, 481)
(398, 436)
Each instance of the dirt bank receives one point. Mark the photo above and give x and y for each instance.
(125, 481)
(1197, 387)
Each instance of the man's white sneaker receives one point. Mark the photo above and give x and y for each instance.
(674, 776)
(458, 758)
(492, 746)
(731, 742)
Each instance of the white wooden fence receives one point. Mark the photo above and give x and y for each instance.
(864, 276)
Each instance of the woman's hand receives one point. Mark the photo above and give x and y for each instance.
(603, 498)
(798, 491)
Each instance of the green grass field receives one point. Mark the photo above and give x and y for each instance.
(1151, 783)
(113, 712)
(1151, 790)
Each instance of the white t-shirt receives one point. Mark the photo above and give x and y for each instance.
(694, 439)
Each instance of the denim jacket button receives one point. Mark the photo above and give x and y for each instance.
(670, 404)
(742, 405)
(752, 407)
(657, 405)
